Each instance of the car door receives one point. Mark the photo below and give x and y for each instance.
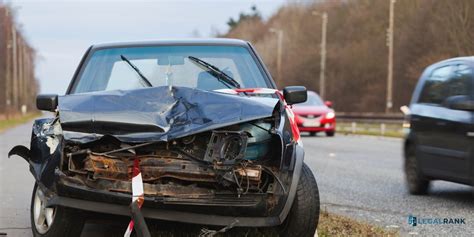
(455, 144)
(470, 132)
(426, 112)
(443, 147)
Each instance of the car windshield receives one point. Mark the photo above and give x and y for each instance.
(116, 68)
(313, 100)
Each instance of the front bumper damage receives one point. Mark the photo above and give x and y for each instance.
(220, 211)
(197, 166)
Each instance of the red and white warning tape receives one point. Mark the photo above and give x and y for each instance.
(137, 192)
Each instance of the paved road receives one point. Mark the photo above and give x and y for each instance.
(359, 177)
(16, 185)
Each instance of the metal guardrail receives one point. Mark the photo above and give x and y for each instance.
(381, 124)
(370, 117)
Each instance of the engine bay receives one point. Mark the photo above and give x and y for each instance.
(237, 159)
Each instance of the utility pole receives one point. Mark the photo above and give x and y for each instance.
(389, 99)
(322, 78)
(279, 34)
(8, 59)
(14, 78)
(20, 71)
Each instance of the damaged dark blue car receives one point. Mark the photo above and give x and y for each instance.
(214, 141)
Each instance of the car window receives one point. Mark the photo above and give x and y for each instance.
(168, 65)
(445, 82)
(460, 83)
(433, 91)
(122, 77)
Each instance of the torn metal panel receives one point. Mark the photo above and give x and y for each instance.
(155, 114)
(44, 156)
(155, 168)
(155, 190)
(21, 151)
(152, 168)
(168, 193)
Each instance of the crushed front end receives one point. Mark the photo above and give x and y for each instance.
(236, 166)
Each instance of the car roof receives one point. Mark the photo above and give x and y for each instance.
(466, 58)
(190, 41)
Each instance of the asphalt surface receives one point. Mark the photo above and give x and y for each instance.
(358, 176)
(362, 177)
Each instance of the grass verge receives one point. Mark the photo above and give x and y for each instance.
(373, 129)
(329, 225)
(8, 123)
(335, 225)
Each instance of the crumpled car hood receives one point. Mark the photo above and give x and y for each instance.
(155, 114)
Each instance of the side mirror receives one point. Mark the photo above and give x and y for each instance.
(295, 94)
(459, 102)
(328, 103)
(47, 102)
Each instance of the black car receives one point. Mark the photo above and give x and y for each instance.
(440, 141)
(199, 123)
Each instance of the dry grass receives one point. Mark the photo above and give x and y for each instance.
(336, 225)
(392, 130)
(329, 225)
(8, 123)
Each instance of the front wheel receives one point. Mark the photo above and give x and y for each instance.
(417, 183)
(330, 133)
(53, 221)
(304, 214)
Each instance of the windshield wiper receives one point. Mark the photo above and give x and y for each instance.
(147, 82)
(216, 72)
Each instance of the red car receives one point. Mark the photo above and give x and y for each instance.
(314, 115)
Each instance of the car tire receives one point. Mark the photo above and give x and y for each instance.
(304, 214)
(63, 221)
(312, 134)
(330, 133)
(417, 183)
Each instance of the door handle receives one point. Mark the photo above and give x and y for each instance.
(470, 134)
(441, 123)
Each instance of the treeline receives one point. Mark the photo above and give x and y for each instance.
(18, 86)
(425, 31)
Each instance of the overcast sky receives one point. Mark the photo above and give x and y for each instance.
(61, 31)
